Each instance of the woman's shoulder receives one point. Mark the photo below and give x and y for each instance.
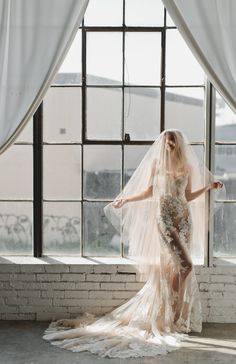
(155, 162)
(189, 169)
(154, 165)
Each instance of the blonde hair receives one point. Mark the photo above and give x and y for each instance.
(180, 162)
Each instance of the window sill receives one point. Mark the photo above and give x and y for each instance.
(69, 260)
(218, 262)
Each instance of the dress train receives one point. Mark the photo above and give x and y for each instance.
(142, 326)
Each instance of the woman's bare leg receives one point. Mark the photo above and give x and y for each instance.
(186, 267)
(182, 258)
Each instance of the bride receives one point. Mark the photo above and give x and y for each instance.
(161, 216)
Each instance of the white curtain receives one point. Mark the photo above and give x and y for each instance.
(209, 28)
(34, 38)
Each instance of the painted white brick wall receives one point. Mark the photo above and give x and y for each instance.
(49, 292)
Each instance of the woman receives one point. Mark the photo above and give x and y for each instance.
(161, 215)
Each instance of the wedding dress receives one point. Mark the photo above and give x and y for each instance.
(157, 318)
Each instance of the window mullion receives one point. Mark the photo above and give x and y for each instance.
(83, 135)
(38, 181)
(210, 99)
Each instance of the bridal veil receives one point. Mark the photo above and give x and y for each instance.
(168, 306)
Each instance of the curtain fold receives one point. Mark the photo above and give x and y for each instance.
(35, 36)
(209, 29)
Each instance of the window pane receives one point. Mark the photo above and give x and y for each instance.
(101, 238)
(16, 165)
(225, 235)
(148, 12)
(104, 113)
(104, 12)
(142, 113)
(16, 228)
(61, 228)
(70, 70)
(102, 171)
(143, 58)
(132, 157)
(62, 172)
(225, 121)
(62, 115)
(184, 110)
(225, 168)
(181, 66)
(26, 136)
(104, 58)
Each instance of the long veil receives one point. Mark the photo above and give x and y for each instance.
(157, 317)
(136, 221)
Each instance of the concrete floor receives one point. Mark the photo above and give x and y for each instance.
(21, 343)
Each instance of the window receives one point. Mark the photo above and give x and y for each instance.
(127, 76)
(16, 196)
(225, 169)
(116, 76)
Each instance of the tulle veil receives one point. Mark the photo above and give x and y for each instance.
(136, 221)
(155, 319)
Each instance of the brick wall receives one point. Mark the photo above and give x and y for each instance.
(49, 292)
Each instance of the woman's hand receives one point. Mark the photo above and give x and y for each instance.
(216, 185)
(119, 203)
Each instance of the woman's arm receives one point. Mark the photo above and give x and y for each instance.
(141, 196)
(192, 195)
